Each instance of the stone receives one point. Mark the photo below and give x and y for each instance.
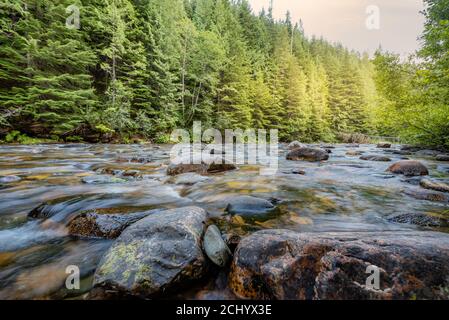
(156, 255)
(427, 195)
(427, 153)
(409, 168)
(215, 247)
(102, 179)
(285, 265)
(375, 158)
(295, 145)
(354, 153)
(384, 145)
(442, 157)
(434, 185)
(202, 168)
(251, 208)
(97, 224)
(419, 219)
(308, 154)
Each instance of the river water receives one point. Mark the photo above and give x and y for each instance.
(342, 194)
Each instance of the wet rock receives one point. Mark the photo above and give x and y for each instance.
(328, 150)
(308, 154)
(97, 224)
(427, 153)
(295, 145)
(384, 145)
(9, 179)
(203, 168)
(135, 159)
(375, 158)
(442, 157)
(281, 264)
(401, 152)
(251, 208)
(298, 171)
(153, 256)
(188, 179)
(354, 153)
(102, 179)
(215, 247)
(409, 168)
(427, 195)
(232, 240)
(419, 219)
(434, 185)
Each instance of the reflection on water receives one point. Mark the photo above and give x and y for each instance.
(343, 194)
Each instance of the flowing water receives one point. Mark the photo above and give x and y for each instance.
(342, 194)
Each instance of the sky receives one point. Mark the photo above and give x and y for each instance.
(400, 22)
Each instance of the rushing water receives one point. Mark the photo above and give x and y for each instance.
(342, 194)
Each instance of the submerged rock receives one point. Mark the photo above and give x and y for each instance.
(156, 254)
(282, 264)
(96, 224)
(215, 247)
(188, 179)
(442, 157)
(375, 158)
(251, 208)
(433, 185)
(308, 154)
(409, 168)
(296, 145)
(419, 219)
(354, 153)
(384, 145)
(427, 195)
(427, 153)
(9, 179)
(102, 179)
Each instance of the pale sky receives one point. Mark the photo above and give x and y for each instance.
(344, 21)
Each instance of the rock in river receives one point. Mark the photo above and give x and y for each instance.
(295, 145)
(215, 247)
(434, 185)
(384, 145)
(203, 168)
(427, 195)
(251, 208)
(442, 157)
(97, 224)
(409, 168)
(419, 219)
(154, 255)
(308, 154)
(282, 264)
(375, 158)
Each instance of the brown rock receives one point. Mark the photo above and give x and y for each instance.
(384, 145)
(354, 153)
(308, 154)
(409, 168)
(432, 185)
(281, 264)
(375, 158)
(202, 168)
(427, 195)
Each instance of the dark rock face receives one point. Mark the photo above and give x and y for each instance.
(95, 224)
(442, 157)
(409, 168)
(419, 219)
(375, 158)
(154, 255)
(384, 145)
(251, 208)
(202, 168)
(434, 185)
(308, 154)
(281, 264)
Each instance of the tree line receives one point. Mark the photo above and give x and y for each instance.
(137, 69)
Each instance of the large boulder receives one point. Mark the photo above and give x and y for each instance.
(100, 224)
(281, 264)
(154, 255)
(308, 154)
(434, 185)
(409, 168)
(375, 158)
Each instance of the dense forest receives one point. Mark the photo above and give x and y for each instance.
(137, 69)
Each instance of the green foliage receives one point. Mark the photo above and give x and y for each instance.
(142, 68)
